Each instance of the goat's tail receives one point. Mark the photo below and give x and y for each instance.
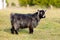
(11, 15)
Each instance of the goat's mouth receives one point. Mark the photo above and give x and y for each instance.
(43, 16)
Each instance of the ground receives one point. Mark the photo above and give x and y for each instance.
(47, 29)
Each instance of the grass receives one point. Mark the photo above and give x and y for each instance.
(48, 28)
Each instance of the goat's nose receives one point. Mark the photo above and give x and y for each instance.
(44, 16)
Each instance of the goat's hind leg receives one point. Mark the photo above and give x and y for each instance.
(16, 27)
(12, 30)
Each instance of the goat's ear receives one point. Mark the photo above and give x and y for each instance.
(38, 10)
(45, 10)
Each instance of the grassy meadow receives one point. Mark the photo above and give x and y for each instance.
(48, 28)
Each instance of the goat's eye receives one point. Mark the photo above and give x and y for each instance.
(40, 12)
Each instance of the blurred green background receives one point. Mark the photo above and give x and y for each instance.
(41, 3)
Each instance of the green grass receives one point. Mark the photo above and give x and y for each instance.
(48, 28)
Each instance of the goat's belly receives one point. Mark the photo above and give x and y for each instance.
(23, 26)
